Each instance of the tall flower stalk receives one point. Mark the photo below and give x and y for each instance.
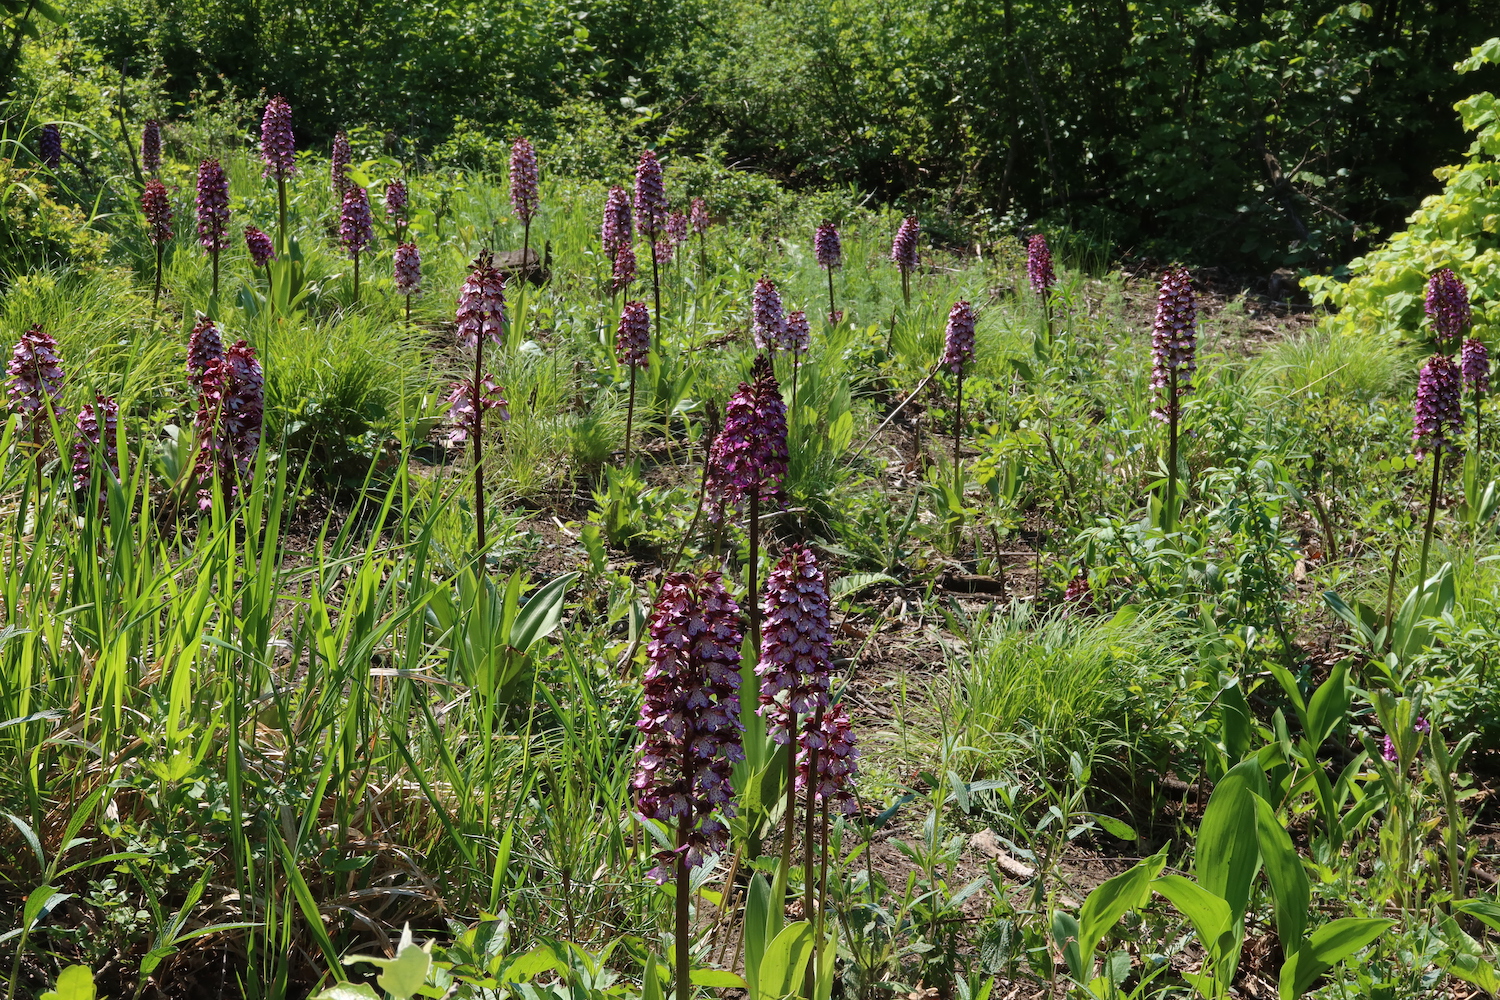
(1438, 424)
(278, 150)
(396, 204)
(633, 349)
(904, 252)
(407, 265)
(624, 272)
(96, 431)
(798, 340)
(1447, 306)
(651, 218)
(262, 251)
(1174, 345)
(1040, 274)
(338, 164)
(767, 316)
(1474, 365)
(157, 207)
(481, 317)
(49, 146)
(525, 192)
(356, 227)
(151, 146)
(205, 347)
(213, 213)
(34, 380)
(690, 733)
(615, 228)
(829, 250)
(231, 410)
(958, 352)
(698, 214)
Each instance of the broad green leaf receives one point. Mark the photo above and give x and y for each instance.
(348, 991)
(757, 911)
(541, 614)
(1289, 885)
(1485, 910)
(41, 901)
(1329, 704)
(1328, 946)
(76, 982)
(1113, 899)
(784, 963)
(1114, 827)
(1065, 940)
(719, 979)
(1208, 913)
(651, 981)
(1228, 855)
(405, 974)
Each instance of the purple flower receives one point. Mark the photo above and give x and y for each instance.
(1388, 748)
(356, 227)
(904, 246)
(231, 409)
(796, 659)
(338, 163)
(1439, 416)
(277, 146)
(213, 206)
(151, 146)
(650, 196)
(663, 251)
(1039, 264)
(958, 343)
(1447, 305)
(461, 406)
(1422, 725)
(678, 227)
(1474, 363)
(699, 215)
(767, 318)
(827, 246)
(395, 201)
(798, 332)
(749, 457)
(524, 193)
(34, 376)
(157, 208)
(1174, 341)
(615, 230)
(633, 338)
(837, 761)
(481, 303)
(205, 347)
(262, 250)
(624, 272)
(49, 146)
(690, 717)
(408, 267)
(97, 424)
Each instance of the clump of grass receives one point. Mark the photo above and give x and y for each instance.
(1333, 364)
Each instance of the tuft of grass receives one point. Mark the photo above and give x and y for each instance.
(1333, 364)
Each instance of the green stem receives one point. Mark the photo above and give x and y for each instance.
(1432, 501)
(684, 958)
(958, 426)
(214, 256)
(809, 852)
(1169, 514)
(281, 212)
(831, 311)
(478, 448)
(356, 277)
(656, 289)
(156, 294)
(629, 414)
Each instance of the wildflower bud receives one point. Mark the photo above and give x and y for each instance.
(97, 425)
(408, 268)
(690, 721)
(396, 201)
(616, 227)
(1174, 341)
(461, 412)
(338, 163)
(837, 761)
(525, 195)
(49, 146)
(262, 250)
(958, 342)
(699, 215)
(157, 207)
(796, 659)
(277, 146)
(749, 456)
(1439, 415)
(213, 206)
(34, 376)
(633, 338)
(624, 272)
(1039, 264)
(904, 246)
(205, 347)
(151, 146)
(650, 196)
(798, 332)
(356, 227)
(827, 246)
(767, 318)
(1447, 306)
(1474, 364)
(481, 303)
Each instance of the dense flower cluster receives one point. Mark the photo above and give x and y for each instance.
(262, 250)
(461, 412)
(277, 146)
(151, 146)
(624, 272)
(1439, 413)
(525, 194)
(615, 231)
(338, 163)
(1039, 264)
(396, 201)
(904, 246)
(205, 347)
(1474, 364)
(213, 206)
(1174, 341)
(157, 207)
(796, 658)
(34, 376)
(664, 250)
(633, 338)
(49, 146)
(749, 457)
(837, 761)
(1447, 305)
(827, 247)
(97, 427)
(690, 719)
(356, 227)
(231, 409)
(481, 303)
(798, 332)
(958, 341)
(767, 317)
(678, 227)
(698, 213)
(408, 268)
(650, 196)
